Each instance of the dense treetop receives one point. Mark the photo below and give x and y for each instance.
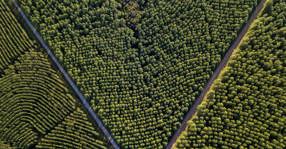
(247, 106)
(141, 63)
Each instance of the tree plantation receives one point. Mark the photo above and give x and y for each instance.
(247, 106)
(140, 64)
(142, 74)
(34, 100)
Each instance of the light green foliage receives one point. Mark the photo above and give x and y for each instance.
(75, 131)
(34, 100)
(247, 108)
(13, 39)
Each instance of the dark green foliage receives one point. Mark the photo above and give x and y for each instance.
(140, 63)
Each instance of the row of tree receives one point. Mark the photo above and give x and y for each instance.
(13, 39)
(33, 97)
(75, 131)
(247, 107)
(141, 64)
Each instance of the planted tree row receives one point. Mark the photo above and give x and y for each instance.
(37, 108)
(34, 100)
(140, 63)
(74, 132)
(6, 146)
(246, 108)
(13, 39)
